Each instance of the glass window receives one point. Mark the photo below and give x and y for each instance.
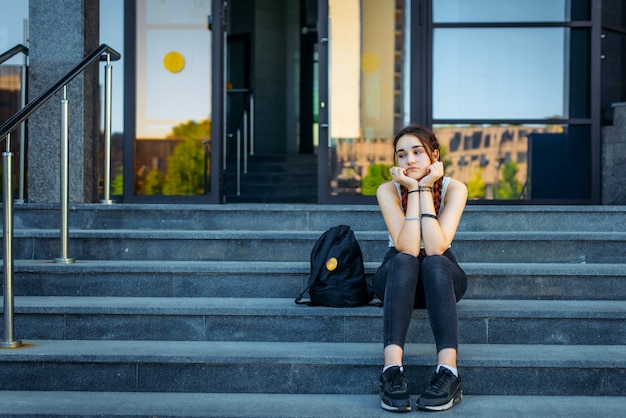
(112, 34)
(13, 21)
(517, 61)
(495, 164)
(369, 87)
(499, 73)
(173, 90)
(455, 11)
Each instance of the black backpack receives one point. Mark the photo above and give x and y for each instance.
(337, 272)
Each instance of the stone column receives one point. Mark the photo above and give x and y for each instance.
(614, 158)
(61, 34)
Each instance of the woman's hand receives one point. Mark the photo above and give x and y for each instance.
(435, 172)
(398, 175)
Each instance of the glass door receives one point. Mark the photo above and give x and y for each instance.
(173, 146)
(364, 94)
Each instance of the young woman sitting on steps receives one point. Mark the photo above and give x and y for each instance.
(422, 209)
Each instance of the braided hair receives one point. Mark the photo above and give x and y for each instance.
(430, 142)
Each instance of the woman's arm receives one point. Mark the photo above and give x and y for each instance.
(439, 233)
(405, 231)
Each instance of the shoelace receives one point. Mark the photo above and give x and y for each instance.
(396, 381)
(440, 381)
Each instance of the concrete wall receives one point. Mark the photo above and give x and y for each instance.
(614, 158)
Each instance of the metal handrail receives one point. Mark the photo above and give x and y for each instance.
(99, 54)
(17, 49)
(103, 53)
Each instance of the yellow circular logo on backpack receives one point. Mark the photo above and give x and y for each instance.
(174, 62)
(331, 264)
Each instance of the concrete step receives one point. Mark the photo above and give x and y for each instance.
(303, 194)
(244, 245)
(257, 279)
(304, 367)
(193, 305)
(243, 405)
(245, 319)
(310, 217)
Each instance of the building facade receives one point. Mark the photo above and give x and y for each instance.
(297, 101)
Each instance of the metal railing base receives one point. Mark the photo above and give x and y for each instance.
(64, 260)
(11, 344)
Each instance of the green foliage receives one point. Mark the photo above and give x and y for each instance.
(476, 186)
(509, 187)
(153, 183)
(186, 166)
(192, 130)
(185, 169)
(377, 174)
(117, 184)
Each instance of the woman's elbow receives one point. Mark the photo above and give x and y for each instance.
(408, 250)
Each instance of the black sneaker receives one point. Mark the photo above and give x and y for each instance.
(443, 392)
(394, 395)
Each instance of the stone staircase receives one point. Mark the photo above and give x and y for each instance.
(183, 311)
(273, 179)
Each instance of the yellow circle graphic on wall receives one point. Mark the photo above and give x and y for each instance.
(174, 62)
(370, 62)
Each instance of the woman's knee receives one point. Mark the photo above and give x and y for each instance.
(435, 262)
(402, 271)
(440, 274)
(436, 272)
(405, 261)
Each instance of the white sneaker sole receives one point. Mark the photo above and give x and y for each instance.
(455, 400)
(395, 408)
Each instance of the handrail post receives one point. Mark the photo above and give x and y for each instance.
(251, 124)
(7, 175)
(108, 76)
(22, 168)
(245, 141)
(64, 169)
(238, 162)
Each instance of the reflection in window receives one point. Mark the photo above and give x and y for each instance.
(112, 34)
(494, 164)
(499, 73)
(368, 91)
(455, 11)
(173, 90)
(514, 62)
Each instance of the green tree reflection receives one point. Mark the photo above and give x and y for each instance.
(188, 166)
(476, 186)
(509, 187)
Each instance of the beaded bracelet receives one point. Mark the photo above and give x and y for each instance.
(426, 189)
(408, 218)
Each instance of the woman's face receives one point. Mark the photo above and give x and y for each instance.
(412, 155)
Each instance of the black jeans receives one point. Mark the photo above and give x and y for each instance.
(404, 282)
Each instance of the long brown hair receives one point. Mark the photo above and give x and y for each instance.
(430, 142)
